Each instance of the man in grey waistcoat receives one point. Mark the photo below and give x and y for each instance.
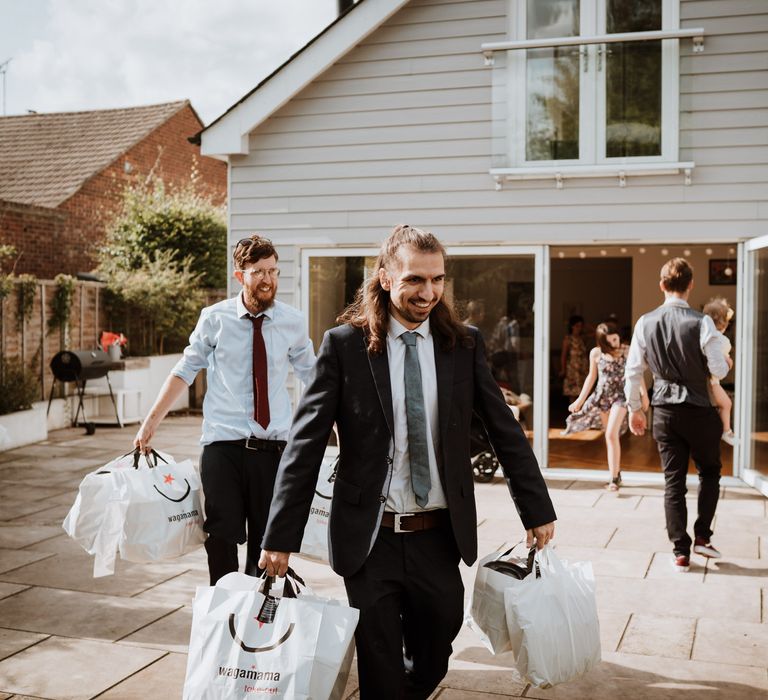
(679, 346)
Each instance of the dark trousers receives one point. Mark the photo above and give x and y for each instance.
(409, 592)
(681, 432)
(237, 485)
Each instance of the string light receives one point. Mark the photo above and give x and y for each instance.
(665, 251)
(582, 254)
(561, 254)
(687, 253)
(708, 251)
(641, 250)
(603, 253)
(623, 250)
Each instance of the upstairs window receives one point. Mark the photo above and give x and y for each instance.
(587, 104)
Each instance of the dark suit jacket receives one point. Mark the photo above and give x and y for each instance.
(352, 388)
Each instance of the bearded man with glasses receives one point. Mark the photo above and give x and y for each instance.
(247, 344)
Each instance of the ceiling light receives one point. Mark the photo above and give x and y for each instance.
(561, 254)
(665, 251)
(623, 250)
(582, 254)
(641, 250)
(687, 253)
(603, 253)
(708, 251)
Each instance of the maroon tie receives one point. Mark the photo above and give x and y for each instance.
(260, 388)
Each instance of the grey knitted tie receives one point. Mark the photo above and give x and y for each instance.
(417, 422)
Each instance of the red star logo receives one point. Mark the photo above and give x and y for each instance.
(168, 478)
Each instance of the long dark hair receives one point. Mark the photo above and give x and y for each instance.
(370, 309)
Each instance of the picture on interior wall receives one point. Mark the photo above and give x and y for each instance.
(722, 272)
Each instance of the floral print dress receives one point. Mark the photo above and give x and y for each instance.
(609, 392)
(576, 366)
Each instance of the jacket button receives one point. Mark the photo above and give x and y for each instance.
(382, 499)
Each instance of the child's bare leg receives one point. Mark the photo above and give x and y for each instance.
(612, 444)
(724, 406)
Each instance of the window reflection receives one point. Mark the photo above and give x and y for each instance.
(759, 428)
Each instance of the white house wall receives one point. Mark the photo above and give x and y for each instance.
(399, 130)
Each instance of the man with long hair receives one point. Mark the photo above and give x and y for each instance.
(247, 343)
(401, 379)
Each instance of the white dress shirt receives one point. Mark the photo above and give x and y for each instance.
(636, 365)
(222, 342)
(400, 498)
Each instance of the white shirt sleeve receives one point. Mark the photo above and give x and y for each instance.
(635, 368)
(302, 357)
(196, 354)
(712, 347)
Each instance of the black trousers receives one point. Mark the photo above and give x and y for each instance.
(410, 593)
(682, 432)
(237, 485)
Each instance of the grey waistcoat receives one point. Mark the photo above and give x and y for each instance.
(673, 352)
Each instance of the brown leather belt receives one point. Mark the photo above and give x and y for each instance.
(413, 522)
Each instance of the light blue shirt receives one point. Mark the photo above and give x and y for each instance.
(222, 342)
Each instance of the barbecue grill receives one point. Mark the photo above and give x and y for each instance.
(79, 366)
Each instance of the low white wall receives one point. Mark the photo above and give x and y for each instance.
(23, 427)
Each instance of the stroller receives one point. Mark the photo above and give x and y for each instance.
(484, 461)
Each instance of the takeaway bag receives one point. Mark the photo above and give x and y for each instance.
(486, 612)
(147, 512)
(553, 621)
(314, 544)
(247, 643)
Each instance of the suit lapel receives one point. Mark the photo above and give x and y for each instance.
(380, 369)
(444, 372)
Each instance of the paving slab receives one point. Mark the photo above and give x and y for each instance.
(738, 643)
(682, 595)
(179, 590)
(741, 507)
(14, 508)
(613, 625)
(170, 633)
(654, 635)
(608, 562)
(741, 572)
(16, 535)
(639, 677)
(74, 571)
(75, 614)
(52, 514)
(7, 589)
(164, 679)
(617, 502)
(662, 568)
(15, 558)
(13, 641)
(71, 669)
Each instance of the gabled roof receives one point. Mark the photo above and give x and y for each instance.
(46, 158)
(228, 134)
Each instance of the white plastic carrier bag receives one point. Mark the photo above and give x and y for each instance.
(247, 643)
(148, 512)
(486, 612)
(314, 544)
(552, 621)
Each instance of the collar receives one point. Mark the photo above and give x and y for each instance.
(675, 301)
(396, 329)
(243, 312)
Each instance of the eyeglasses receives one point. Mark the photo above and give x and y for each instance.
(260, 274)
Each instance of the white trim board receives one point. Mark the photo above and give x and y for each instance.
(229, 134)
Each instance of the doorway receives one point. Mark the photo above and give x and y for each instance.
(619, 284)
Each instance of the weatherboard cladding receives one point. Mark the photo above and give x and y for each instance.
(399, 130)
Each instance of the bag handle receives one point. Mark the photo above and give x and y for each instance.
(289, 589)
(530, 559)
(137, 453)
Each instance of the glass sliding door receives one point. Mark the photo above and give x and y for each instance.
(754, 426)
(500, 290)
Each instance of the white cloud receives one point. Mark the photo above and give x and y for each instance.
(91, 54)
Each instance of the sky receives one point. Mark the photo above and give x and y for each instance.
(72, 55)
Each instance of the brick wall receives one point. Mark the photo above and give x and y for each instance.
(76, 227)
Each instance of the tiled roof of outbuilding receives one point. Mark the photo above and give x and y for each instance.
(46, 158)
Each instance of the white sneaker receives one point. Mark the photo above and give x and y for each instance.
(730, 438)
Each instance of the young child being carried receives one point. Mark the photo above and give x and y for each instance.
(721, 313)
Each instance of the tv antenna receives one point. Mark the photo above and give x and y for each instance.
(3, 71)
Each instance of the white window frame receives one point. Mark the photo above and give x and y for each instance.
(592, 161)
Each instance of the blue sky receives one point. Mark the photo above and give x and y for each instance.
(94, 54)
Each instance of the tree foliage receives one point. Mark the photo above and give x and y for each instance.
(183, 222)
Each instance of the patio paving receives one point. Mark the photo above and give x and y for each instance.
(67, 636)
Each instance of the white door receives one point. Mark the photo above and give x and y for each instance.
(751, 457)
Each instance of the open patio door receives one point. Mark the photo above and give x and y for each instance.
(752, 416)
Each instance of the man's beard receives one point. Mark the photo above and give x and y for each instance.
(258, 301)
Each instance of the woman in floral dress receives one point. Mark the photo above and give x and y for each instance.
(606, 408)
(573, 358)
